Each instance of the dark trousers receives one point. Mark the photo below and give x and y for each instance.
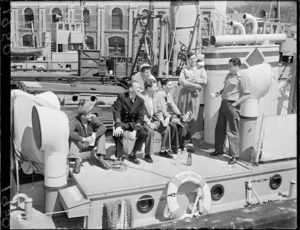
(228, 124)
(183, 134)
(140, 139)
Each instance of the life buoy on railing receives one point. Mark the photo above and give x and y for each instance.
(178, 212)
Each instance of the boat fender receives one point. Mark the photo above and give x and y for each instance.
(178, 212)
(111, 214)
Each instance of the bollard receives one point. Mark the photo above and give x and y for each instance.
(28, 208)
(292, 190)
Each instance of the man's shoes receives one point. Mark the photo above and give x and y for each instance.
(101, 163)
(121, 158)
(165, 154)
(148, 159)
(76, 170)
(133, 159)
(216, 153)
(232, 161)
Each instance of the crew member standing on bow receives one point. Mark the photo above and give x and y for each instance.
(81, 138)
(236, 90)
(128, 113)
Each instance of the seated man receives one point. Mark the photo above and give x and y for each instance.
(143, 75)
(155, 119)
(179, 127)
(81, 129)
(128, 113)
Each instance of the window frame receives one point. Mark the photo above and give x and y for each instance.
(120, 27)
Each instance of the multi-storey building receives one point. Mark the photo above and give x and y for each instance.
(65, 26)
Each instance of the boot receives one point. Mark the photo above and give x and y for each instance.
(77, 166)
(101, 163)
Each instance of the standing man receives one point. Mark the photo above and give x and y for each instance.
(143, 75)
(236, 90)
(128, 114)
(179, 127)
(81, 129)
(155, 119)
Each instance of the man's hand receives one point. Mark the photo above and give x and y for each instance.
(177, 122)
(119, 131)
(152, 126)
(132, 135)
(87, 139)
(165, 123)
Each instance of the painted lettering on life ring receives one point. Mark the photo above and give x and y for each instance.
(176, 211)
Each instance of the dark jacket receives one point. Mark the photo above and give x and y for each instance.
(78, 131)
(126, 114)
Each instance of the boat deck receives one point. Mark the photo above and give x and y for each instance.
(156, 175)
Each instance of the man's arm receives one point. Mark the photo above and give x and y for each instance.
(243, 98)
(73, 134)
(98, 127)
(140, 116)
(186, 84)
(117, 107)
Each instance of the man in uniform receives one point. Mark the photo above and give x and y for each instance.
(236, 90)
(81, 138)
(128, 114)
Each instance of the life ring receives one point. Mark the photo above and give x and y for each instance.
(175, 210)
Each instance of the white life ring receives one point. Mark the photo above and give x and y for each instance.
(176, 211)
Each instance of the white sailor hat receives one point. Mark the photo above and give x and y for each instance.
(144, 65)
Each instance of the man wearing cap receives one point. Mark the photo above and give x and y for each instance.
(82, 139)
(143, 75)
(128, 114)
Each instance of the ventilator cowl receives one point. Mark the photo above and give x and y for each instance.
(260, 77)
(51, 134)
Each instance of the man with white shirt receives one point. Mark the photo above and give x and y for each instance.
(155, 119)
(143, 75)
(179, 127)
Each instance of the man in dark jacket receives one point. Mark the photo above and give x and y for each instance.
(128, 113)
(86, 133)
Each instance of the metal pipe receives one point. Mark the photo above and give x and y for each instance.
(247, 39)
(161, 48)
(292, 190)
(176, 50)
(240, 26)
(193, 34)
(251, 19)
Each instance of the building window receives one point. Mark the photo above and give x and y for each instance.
(56, 15)
(28, 40)
(86, 16)
(29, 17)
(116, 46)
(89, 41)
(117, 19)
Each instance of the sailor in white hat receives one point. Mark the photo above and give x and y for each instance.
(143, 75)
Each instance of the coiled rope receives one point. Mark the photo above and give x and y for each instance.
(117, 165)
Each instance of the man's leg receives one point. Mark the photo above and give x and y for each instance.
(74, 148)
(232, 116)
(141, 136)
(101, 152)
(119, 146)
(220, 131)
(165, 135)
(183, 134)
(149, 150)
(174, 137)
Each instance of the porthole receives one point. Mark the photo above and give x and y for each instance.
(145, 204)
(217, 192)
(275, 181)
